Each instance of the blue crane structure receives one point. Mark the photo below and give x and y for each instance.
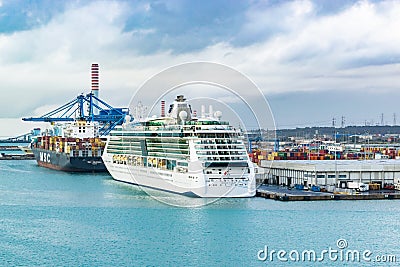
(83, 107)
(253, 136)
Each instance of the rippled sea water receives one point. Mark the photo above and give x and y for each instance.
(52, 218)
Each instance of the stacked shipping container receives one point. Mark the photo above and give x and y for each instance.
(75, 147)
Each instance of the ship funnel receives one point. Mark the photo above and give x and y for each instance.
(95, 85)
(162, 108)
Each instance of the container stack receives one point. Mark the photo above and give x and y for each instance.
(257, 155)
(75, 147)
(376, 152)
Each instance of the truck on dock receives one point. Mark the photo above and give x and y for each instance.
(299, 186)
(358, 186)
(316, 188)
(397, 186)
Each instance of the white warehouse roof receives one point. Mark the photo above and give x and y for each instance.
(329, 165)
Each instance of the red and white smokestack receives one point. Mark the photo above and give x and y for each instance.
(162, 108)
(95, 85)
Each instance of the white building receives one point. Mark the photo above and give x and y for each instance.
(330, 172)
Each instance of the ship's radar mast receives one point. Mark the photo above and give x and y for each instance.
(180, 104)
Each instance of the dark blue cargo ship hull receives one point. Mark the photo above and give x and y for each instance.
(65, 162)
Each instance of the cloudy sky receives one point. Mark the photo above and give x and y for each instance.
(313, 60)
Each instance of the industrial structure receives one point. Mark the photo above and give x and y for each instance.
(23, 138)
(95, 85)
(76, 142)
(89, 108)
(331, 173)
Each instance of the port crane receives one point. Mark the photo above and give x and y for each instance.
(23, 138)
(89, 108)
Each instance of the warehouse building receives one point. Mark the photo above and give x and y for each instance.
(331, 172)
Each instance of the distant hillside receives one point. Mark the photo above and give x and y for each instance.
(309, 132)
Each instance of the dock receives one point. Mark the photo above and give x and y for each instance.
(26, 153)
(17, 157)
(281, 193)
(10, 148)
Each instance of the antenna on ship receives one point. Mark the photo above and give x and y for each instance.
(203, 111)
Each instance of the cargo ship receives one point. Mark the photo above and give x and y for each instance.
(76, 140)
(183, 154)
(74, 148)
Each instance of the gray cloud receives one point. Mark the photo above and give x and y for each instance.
(284, 47)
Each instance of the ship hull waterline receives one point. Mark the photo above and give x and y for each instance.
(148, 178)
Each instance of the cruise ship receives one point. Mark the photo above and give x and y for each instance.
(180, 153)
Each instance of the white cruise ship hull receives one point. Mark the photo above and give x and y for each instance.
(180, 183)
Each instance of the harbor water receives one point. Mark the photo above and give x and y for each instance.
(52, 218)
